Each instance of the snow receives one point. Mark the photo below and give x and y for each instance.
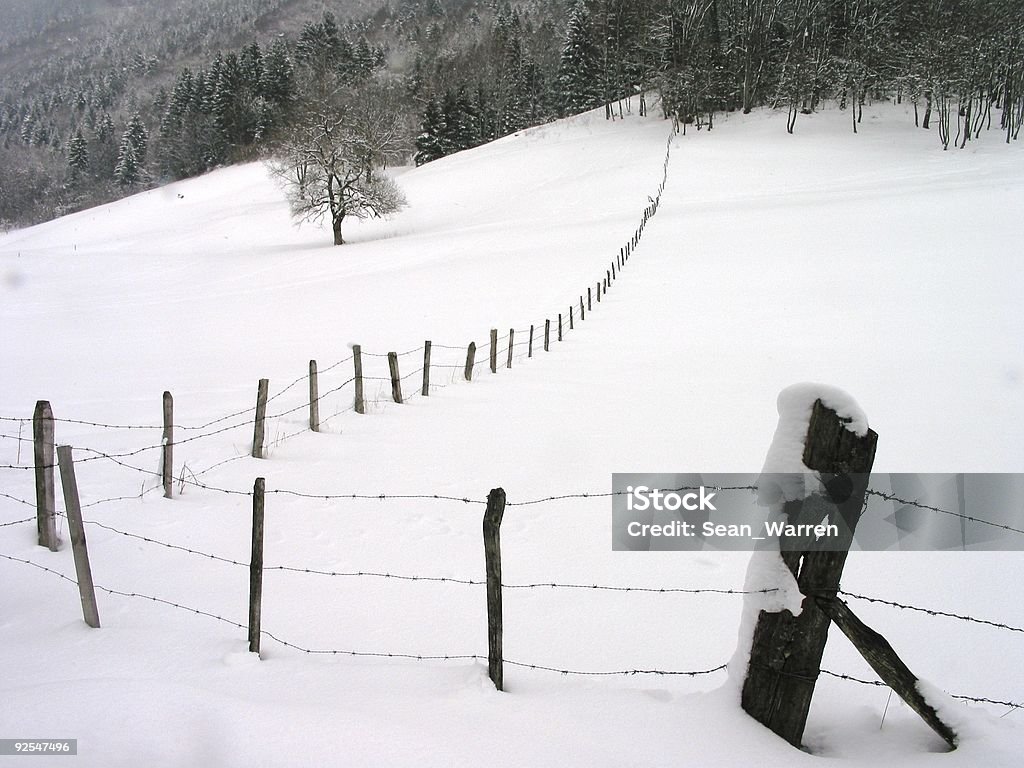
(875, 262)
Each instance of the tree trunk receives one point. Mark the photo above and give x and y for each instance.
(336, 225)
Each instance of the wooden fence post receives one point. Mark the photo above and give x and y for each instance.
(261, 415)
(396, 380)
(613, 271)
(529, 348)
(470, 359)
(314, 397)
(590, 306)
(511, 338)
(786, 650)
(547, 335)
(492, 563)
(599, 292)
(559, 326)
(570, 317)
(42, 449)
(583, 314)
(256, 566)
(76, 527)
(357, 360)
(494, 350)
(426, 369)
(167, 468)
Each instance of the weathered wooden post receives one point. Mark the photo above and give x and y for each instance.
(529, 347)
(426, 369)
(590, 307)
(613, 271)
(261, 415)
(494, 350)
(256, 566)
(511, 339)
(314, 397)
(786, 651)
(86, 590)
(396, 380)
(583, 314)
(559, 326)
(42, 450)
(547, 335)
(570, 316)
(470, 359)
(167, 462)
(492, 563)
(357, 360)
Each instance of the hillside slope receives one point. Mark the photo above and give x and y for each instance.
(873, 262)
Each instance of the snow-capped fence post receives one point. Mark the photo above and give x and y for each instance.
(470, 359)
(357, 361)
(256, 565)
(511, 338)
(76, 528)
(426, 369)
(314, 397)
(42, 450)
(261, 415)
(786, 651)
(396, 379)
(167, 452)
(494, 350)
(492, 563)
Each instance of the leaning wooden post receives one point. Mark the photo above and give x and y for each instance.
(494, 350)
(42, 449)
(168, 445)
(470, 359)
(613, 271)
(426, 369)
(492, 563)
(86, 591)
(396, 380)
(261, 415)
(599, 293)
(357, 360)
(547, 335)
(314, 397)
(511, 338)
(786, 651)
(256, 566)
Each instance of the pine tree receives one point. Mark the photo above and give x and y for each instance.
(139, 136)
(579, 87)
(128, 170)
(429, 144)
(78, 154)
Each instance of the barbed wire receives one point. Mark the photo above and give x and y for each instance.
(962, 697)
(18, 522)
(931, 611)
(907, 502)
(15, 498)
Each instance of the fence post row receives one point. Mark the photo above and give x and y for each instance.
(256, 565)
(42, 451)
(426, 369)
(86, 590)
(396, 380)
(261, 415)
(470, 359)
(492, 563)
(357, 362)
(314, 397)
(167, 468)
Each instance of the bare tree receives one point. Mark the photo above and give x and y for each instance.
(329, 162)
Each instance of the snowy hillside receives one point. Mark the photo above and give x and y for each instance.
(874, 262)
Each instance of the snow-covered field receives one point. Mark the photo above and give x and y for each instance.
(874, 262)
